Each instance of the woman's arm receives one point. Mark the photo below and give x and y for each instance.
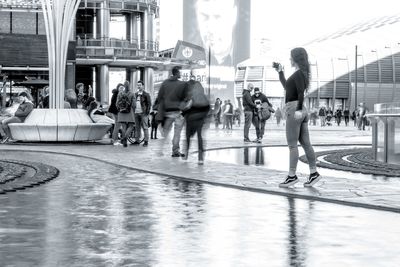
(282, 79)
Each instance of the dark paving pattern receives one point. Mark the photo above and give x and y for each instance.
(20, 175)
(359, 160)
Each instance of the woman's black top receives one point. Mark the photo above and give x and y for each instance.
(294, 86)
(113, 104)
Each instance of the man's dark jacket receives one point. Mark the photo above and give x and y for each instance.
(145, 102)
(263, 98)
(248, 104)
(172, 93)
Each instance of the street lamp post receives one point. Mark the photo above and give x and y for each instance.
(334, 85)
(349, 75)
(379, 73)
(209, 73)
(393, 70)
(318, 89)
(356, 79)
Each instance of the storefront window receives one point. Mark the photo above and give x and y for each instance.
(24, 22)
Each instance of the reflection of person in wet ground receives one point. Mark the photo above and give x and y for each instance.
(297, 116)
(259, 157)
(195, 117)
(298, 233)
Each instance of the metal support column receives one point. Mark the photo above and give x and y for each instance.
(149, 81)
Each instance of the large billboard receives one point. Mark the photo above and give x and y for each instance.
(222, 28)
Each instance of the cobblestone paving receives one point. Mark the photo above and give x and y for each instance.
(20, 175)
(355, 160)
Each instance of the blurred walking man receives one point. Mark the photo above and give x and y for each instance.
(170, 98)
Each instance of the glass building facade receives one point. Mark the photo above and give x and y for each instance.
(112, 38)
(333, 62)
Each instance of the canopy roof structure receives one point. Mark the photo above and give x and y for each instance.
(376, 38)
(35, 83)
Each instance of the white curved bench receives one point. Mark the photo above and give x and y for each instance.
(58, 125)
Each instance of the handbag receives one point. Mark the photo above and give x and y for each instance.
(266, 111)
(160, 112)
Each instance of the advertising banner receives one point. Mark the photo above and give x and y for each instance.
(222, 28)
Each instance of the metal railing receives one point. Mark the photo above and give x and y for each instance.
(36, 4)
(119, 4)
(109, 47)
(387, 108)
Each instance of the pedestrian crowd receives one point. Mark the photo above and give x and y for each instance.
(359, 116)
(180, 104)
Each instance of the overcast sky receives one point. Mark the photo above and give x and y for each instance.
(287, 22)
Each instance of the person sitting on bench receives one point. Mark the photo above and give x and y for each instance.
(24, 109)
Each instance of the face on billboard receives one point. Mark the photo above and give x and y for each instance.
(216, 20)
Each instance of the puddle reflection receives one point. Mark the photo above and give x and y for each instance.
(278, 158)
(258, 159)
(100, 215)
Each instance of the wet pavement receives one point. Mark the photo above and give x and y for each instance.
(275, 157)
(378, 194)
(99, 214)
(115, 206)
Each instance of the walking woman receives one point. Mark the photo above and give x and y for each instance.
(195, 117)
(297, 116)
(114, 111)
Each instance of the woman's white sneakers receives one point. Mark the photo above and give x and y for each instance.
(292, 180)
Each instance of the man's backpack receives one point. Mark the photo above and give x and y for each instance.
(124, 103)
